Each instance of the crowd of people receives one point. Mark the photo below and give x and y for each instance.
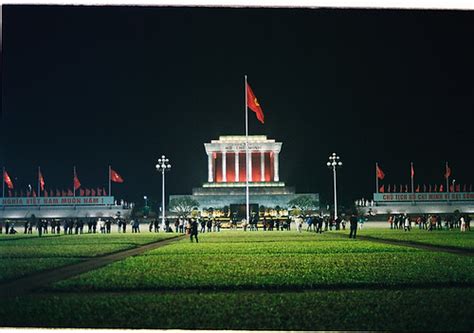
(431, 222)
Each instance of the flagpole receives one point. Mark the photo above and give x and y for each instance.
(412, 182)
(39, 188)
(110, 184)
(376, 178)
(74, 185)
(447, 179)
(3, 182)
(246, 155)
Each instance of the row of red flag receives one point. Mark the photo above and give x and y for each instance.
(430, 188)
(381, 175)
(114, 177)
(60, 193)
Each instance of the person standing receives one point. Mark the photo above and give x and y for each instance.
(26, 226)
(194, 231)
(463, 224)
(353, 221)
(407, 223)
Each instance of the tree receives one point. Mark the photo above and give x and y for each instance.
(183, 205)
(305, 203)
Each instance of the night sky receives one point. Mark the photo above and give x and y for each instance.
(93, 86)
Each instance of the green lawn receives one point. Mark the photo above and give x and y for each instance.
(26, 255)
(450, 238)
(251, 280)
(437, 309)
(307, 263)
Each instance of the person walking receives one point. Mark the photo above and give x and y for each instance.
(194, 231)
(407, 223)
(353, 221)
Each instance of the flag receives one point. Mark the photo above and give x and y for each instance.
(93, 192)
(103, 191)
(81, 192)
(99, 192)
(33, 194)
(77, 183)
(388, 190)
(380, 174)
(382, 189)
(418, 188)
(412, 171)
(441, 188)
(7, 180)
(115, 177)
(252, 103)
(436, 188)
(88, 192)
(464, 188)
(41, 180)
(448, 171)
(69, 193)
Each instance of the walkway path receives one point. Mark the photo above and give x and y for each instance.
(27, 284)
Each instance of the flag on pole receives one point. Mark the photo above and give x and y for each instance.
(447, 172)
(253, 104)
(7, 179)
(41, 180)
(115, 177)
(77, 183)
(382, 189)
(380, 174)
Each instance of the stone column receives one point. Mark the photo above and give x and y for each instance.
(262, 166)
(224, 167)
(237, 166)
(276, 177)
(210, 160)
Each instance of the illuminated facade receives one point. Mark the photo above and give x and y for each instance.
(226, 179)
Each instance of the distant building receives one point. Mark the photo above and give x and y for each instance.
(226, 181)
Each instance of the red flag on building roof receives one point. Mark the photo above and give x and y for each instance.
(41, 180)
(115, 177)
(77, 183)
(253, 104)
(447, 172)
(7, 180)
(380, 174)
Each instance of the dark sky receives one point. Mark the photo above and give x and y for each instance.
(89, 86)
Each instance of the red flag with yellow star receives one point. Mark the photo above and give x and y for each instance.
(253, 104)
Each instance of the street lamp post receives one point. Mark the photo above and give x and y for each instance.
(162, 166)
(146, 200)
(332, 164)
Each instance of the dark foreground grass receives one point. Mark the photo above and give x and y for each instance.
(394, 310)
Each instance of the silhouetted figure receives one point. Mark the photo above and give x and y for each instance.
(353, 222)
(194, 230)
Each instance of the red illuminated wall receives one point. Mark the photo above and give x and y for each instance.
(242, 171)
(268, 167)
(230, 167)
(256, 173)
(218, 167)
